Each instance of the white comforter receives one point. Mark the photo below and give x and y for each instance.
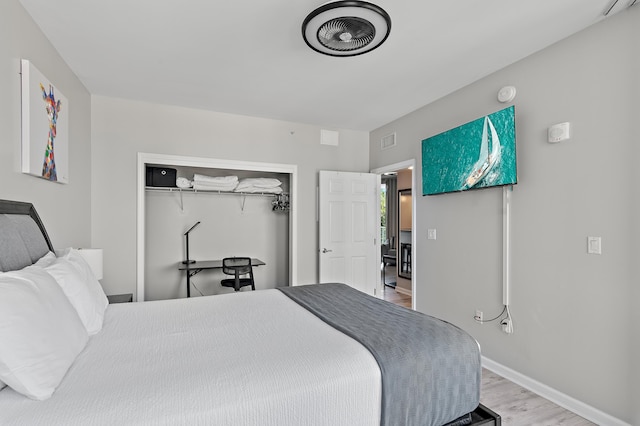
(250, 358)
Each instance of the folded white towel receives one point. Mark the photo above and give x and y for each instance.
(203, 186)
(253, 189)
(215, 179)
(216, 184)
(183, 182)
(259, 183)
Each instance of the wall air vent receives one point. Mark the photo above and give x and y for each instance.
(388, 141)
(329, 137)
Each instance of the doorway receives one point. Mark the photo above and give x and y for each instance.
(389, 228)
(397, 239)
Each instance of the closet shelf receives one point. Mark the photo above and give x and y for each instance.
(200, 191)
(277, 203)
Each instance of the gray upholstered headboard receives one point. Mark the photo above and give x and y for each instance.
(23, 238)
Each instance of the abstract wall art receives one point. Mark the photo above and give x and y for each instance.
(45, 127)
(478, 154)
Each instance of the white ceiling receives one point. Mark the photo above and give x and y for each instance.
(248, 57)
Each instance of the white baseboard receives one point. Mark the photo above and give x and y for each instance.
(403, 290)
(557, 397)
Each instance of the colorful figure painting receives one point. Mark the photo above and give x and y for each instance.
(53, 108)
(478, 154)
(45, 127)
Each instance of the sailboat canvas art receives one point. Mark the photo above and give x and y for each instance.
(478, 154)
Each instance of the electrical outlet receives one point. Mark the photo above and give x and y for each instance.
(479, 316)
(507, 325)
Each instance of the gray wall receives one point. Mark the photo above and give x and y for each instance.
(572, 312)
(120, 129)
(65, 209)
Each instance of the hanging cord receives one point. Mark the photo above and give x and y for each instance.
(505, 309)
(507, 322)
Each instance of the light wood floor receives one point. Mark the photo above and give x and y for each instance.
(520, 407)
(391, 295)
(516, 405)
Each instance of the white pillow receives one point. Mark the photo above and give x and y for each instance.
(41, 333)
(85, 293)
(46, 260)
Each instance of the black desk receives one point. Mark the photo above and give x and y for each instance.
(193, 268)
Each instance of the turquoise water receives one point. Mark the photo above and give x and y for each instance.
(448, 158)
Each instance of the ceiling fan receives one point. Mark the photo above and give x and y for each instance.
(346, 28)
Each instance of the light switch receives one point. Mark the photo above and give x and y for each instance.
(594, 245)
(431, 234)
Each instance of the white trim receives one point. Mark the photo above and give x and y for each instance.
(414, 247)
(379, 284)
(140, 226)
(404, 291)
(179, 160)
(565, 401)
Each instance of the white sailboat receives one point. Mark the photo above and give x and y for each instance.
(487, 158)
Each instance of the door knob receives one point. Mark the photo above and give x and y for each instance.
(324, 250)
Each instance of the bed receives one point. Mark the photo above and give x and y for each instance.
(322, 354)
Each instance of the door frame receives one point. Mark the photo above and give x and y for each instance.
(411, 163)
(214, 163)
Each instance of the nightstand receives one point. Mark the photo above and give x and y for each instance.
(120, 298)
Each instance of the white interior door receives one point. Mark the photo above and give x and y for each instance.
(349, 216)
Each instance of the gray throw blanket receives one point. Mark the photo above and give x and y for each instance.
(430, 369)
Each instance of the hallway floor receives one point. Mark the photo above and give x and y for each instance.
(393, 296)
(388, 275)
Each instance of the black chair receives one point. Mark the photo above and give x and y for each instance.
(237, 266)
(388, 259)
(388, 254)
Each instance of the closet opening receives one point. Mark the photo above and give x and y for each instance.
(254, 223)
